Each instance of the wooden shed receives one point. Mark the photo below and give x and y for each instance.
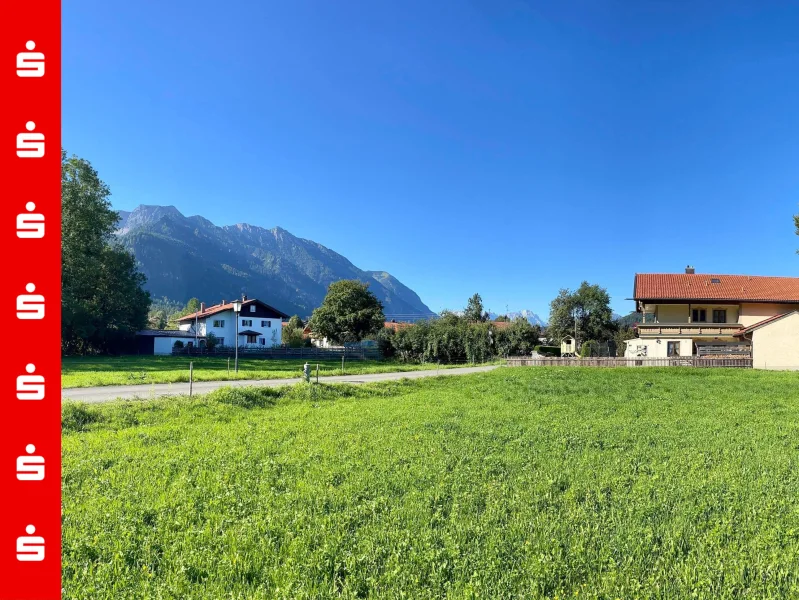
(568, 346)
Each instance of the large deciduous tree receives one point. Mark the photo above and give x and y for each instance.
(349, 312)
(589, 306)
(103, 302)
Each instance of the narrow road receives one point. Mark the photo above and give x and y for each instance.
(145, 392)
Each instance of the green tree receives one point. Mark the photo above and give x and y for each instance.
(295, 323)
(349, 312)
(474, 309)
(157, 319)
(796, 224)
(211, 341)
(103, 300)
(589, 306)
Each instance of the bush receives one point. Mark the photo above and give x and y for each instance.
(548, 350)
(211, 341)
(177, 344)
(589, 348)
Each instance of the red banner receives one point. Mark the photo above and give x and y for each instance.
(30, 424)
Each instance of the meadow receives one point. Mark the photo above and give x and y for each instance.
(89, 371)
(518, 483)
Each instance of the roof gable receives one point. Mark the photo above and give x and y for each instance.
(218, 308)
(766, 322)
(685, 286)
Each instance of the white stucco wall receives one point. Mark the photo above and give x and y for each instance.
(657, 347)
(163, 345)
(776, 345)
(753, 313)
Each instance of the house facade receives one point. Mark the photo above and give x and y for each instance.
(688, 314)
(259, 325)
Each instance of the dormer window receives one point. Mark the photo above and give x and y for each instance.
(715, 280)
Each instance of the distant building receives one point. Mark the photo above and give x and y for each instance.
(260, 325)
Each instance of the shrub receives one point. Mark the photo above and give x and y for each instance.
(589, 348)
(548, 350)
(211, 341)
(177, 344)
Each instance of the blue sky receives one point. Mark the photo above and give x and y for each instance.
(506, 147)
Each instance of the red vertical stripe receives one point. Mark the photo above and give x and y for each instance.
(36, 261)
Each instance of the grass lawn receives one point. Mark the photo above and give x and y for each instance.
(527, 482)
(89, 371)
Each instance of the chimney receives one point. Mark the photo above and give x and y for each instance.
(224, 301)
(689, 270)
(202, 307)
(244, 297)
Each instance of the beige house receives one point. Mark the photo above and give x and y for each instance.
(688, 314)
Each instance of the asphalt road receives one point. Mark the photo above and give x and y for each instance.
(145, 392)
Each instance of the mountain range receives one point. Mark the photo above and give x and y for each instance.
(185, 257)
(531, 317)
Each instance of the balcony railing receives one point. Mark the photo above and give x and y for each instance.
(688, 329)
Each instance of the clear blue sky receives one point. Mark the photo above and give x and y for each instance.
(506, 147)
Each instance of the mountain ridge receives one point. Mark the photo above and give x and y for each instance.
(186, 257)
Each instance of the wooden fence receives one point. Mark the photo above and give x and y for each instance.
(683, 361)
(349, 353)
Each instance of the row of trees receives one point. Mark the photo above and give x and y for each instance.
(456, 338)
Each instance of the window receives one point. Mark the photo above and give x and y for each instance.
(715, 280)
(251, 339)
(720, 316)
(672, 349)
(219, 323)
(246, 322)
(252, 307)
(262, 341)
(266, 323)
(699, 315)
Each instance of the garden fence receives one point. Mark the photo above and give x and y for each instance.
(682, 361)
(349, 353)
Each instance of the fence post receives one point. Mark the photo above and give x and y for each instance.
(342, 363)
(228, 366)
(191, 377)
(317, 372)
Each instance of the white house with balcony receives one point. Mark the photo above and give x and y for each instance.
(695, 314)
(259, 325)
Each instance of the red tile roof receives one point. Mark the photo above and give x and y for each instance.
(745, 288)
(396, 326)
(218, 308)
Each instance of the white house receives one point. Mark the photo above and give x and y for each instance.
(728, 316)
(259, 325)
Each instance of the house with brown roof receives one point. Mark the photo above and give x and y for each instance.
(259, 324)
(691, 313)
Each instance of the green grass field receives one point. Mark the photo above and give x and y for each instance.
(88, 371)
(527, 482)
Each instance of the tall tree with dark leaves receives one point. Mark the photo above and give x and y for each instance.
(589, 306)
(349, 312)
(102, 300)
(474, 309)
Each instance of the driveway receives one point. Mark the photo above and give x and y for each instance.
(144, 392)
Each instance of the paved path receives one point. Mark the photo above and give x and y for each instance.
(128, 392)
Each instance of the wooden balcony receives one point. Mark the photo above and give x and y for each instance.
(687, 329)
